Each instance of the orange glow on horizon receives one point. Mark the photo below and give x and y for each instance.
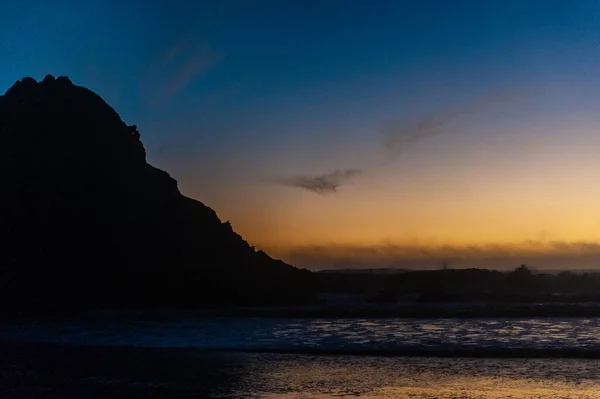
(522, 195)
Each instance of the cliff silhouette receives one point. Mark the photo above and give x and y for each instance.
(87, 223)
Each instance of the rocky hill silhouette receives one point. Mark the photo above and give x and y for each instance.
(87, 223)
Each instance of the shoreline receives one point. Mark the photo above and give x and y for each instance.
(405, 311)
(396, 311)
(24, 348)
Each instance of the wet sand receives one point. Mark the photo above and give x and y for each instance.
(39, 370)
(35, 370)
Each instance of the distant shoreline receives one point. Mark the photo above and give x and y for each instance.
(419, 311)
(443, 310)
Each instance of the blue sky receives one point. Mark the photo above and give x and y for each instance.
(229, 94)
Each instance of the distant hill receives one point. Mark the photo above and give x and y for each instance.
(365, 271)
(87, 223)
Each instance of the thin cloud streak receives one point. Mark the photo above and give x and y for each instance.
(200, 61)
(399, 137)
(176, 68)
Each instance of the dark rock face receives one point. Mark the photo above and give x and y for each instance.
(87, 223)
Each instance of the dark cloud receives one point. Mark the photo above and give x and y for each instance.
(322, 184)
(539, 255)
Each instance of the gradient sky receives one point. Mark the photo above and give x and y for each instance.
(231, 97)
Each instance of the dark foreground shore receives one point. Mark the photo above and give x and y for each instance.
(44, 371)
(40, 370)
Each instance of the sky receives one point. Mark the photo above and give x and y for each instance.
(352, 133)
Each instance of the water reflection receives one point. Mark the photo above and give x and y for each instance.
(290, 376)
(95, 372)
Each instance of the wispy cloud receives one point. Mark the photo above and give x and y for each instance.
(198, 61)
(177, 67)
(399, 137)
(321, 184)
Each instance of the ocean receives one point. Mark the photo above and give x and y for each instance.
(301, 358)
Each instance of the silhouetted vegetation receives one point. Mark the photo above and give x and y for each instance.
(445, 285)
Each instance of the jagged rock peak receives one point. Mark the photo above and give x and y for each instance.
(21, 86)
(29, 83)
(68, 119)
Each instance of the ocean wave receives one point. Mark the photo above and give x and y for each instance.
(576, 338)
